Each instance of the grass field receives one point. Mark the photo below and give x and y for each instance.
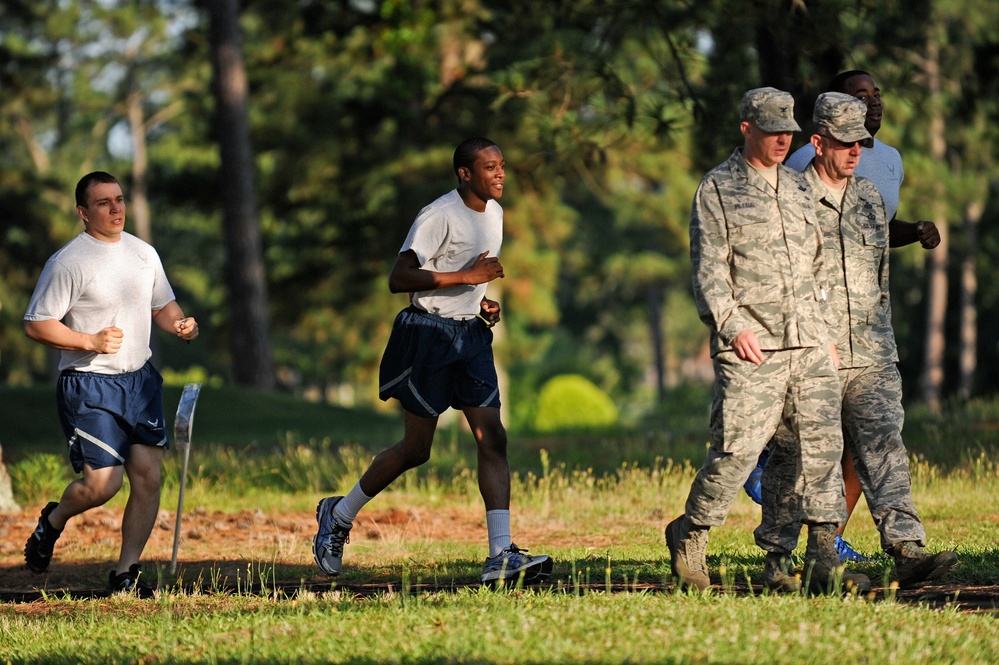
(248, 591)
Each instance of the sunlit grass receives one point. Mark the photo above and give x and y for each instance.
(597, 512)
(480, 626)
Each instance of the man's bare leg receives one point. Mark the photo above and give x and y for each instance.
(493, 465)
(411, 452)
(94, 488)
(851, 483)
(144, 474)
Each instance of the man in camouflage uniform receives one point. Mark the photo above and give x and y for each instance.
(851, 214)
(759, 282)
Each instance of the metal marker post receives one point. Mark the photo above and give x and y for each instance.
(182, 425)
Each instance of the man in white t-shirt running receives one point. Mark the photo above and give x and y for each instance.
(440, 355)
(96, 301)
(881, 164)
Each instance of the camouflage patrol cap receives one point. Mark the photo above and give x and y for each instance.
(841, 116)
(770, 109)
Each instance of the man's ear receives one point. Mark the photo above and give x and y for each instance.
(816, 141)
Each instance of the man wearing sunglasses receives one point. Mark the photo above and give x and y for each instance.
(851, 214)
(759, 279)
(882, 165)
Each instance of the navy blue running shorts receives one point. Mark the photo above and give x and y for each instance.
(431, 363)
(103, 414)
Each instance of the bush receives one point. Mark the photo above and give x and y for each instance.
(40, 478)
(572, 402)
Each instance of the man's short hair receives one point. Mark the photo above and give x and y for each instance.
(88, 180)
(838, 82)
(464, 154)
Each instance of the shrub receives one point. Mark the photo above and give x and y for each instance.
(39, 478)
(573, 402)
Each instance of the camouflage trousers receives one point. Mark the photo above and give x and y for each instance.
(797, 387)
(872, 431)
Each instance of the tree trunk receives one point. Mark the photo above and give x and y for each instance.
(249, 337)
(139, 193)
(7, 504)
(936, 310)
(784, 30)
(658, 339)
(969, 290)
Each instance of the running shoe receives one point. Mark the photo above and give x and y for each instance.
(513, 562)
(130, 582)
(332, 535)
(38, 549)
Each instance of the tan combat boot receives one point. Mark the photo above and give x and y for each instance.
(823, 568)
(777, 574)
(688, 546)
(914, 565)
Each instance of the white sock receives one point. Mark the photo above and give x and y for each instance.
(346, 509)
(498, 528)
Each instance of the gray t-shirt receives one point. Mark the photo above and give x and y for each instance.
(90, 284)
(881, 164)
(448, 236)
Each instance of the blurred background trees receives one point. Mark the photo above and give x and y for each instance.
(608, 114)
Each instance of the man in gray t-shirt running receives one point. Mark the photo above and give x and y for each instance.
(95, 301)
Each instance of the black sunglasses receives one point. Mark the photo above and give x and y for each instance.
(844, 144)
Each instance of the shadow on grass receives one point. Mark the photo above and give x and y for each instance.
(285, 582)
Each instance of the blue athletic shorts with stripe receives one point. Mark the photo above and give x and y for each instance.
(431, 363)
(102, 415)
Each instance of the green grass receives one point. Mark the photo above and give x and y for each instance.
(473, 626)
(599, 503)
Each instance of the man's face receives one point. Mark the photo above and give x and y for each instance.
(104, 214)
(837, 158)
(765, 149)
(865, 89)
(485, 178)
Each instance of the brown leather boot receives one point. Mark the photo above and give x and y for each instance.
(914, 565)
(777, 574)
(688, 546)
(823, 568)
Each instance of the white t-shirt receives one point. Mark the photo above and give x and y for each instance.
(448, 236)
(90, 284)
(881, 164)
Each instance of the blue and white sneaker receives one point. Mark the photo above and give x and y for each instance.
(847, 553)
(513, 562)
(753, 485)
(327, 546)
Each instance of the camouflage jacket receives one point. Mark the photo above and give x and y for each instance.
(756, 257)
(856, 246)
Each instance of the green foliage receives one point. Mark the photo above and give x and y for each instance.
(40, 478)
(193, 374)
(608, 115)
(572, 402)
(931, 435)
